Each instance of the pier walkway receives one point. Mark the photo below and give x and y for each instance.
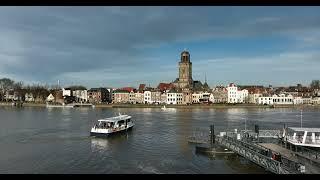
(271, 156)
(260, 156)
(294, 156)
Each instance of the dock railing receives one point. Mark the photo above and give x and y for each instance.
(307, 153)
(248, 152)
(260, 155)
(245, 143)
(310, 153)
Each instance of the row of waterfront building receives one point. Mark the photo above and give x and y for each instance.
(167, 93)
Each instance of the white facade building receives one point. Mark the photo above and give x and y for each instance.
(255, 97)
(282, 99)
(211, 98)
(242, 96)
(196, 98)
(132, 97)
(156, 97)
(139, 97)
(232, 90)
(50, 98)
(297, 100)
(163, 98)
(316, 100)
(66, 92)
(276, 99)
(235, 95)
(174, 98)
(265, 100)
(202, 97)
(179, 98)
(147, 97)
(81, 95)
(28, 97)
(307, 100)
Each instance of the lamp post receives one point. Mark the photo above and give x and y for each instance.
(301, 118)
(245, 124)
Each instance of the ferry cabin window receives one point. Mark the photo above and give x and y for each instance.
(121, 122)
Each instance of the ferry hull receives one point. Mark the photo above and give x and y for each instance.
(109, 134)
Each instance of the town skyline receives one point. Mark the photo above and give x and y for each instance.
(108, 47)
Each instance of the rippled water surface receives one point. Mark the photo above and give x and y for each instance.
(56, 140)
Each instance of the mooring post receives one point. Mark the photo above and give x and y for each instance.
(212, 137)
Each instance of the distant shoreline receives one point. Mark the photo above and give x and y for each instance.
(212, 106)
(24, 104)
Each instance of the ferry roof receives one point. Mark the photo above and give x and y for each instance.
(305, 129)
(116, 118)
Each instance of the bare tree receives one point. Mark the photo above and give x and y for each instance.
(5, 84)
(315, 84)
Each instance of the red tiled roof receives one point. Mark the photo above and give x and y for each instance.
(128, 89)
(142, 87)
(165, 86)
(255, 90)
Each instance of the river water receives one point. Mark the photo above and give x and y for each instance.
(57, 140)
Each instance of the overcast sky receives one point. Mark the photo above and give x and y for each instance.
(125, 46)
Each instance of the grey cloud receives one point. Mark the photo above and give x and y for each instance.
(50, 41)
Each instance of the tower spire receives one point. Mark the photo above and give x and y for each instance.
(205, 77)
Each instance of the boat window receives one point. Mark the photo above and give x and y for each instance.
(128, 120)
(121, 122)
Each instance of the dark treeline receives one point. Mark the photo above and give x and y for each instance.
(37, 90)
(315, 84)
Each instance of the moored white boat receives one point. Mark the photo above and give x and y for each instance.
(112, 125)
(164, 108)
(307, 137)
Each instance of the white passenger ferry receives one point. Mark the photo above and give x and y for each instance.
(112, 125)
(307, 137)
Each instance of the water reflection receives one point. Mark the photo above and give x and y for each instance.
(84, 110)
(242, 165)
(182, 130)
(147, 110)
(235, 162)
(170, 110)
(98, 144)
(106, 143)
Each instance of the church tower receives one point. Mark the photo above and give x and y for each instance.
(185, 71)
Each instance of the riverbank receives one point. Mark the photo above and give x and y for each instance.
(203, 106)
(24, 104)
